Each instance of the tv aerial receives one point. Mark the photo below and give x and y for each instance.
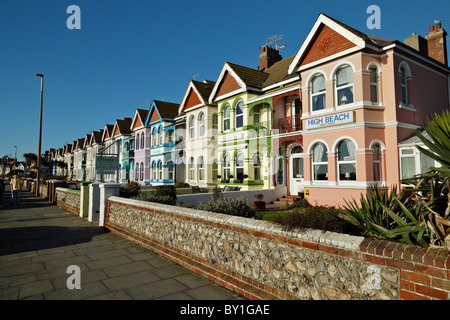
(275, 39)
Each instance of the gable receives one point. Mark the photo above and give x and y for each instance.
(228, 84)
(154, 116)
(192, 100)
(116, 131)
(138, 122)
(326, 43)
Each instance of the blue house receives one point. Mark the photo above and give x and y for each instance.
(160, 120)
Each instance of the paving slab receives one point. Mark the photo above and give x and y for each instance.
(39, 241)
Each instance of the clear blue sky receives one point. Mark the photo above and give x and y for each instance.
(128, 53)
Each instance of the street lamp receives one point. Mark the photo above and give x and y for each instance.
(38, 175)
(15, 158)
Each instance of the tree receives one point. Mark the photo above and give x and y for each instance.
(30, 158)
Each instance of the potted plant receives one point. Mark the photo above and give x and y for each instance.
(259, 204)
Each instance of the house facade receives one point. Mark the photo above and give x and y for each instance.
(141, 135)
(199, 154)
(161, 122)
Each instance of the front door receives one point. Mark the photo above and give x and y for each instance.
(296, 174)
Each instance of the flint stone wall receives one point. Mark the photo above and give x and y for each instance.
(68, 200)
(261, 261)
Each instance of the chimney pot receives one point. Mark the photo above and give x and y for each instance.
(431, 28)
(438, 26)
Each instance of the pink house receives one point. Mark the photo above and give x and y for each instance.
(361, 100)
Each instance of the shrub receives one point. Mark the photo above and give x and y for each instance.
(320, 217)
(236, 207)
(162, 194)
(130, 190)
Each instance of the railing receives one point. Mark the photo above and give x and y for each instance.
(288, 124)
(279, 126)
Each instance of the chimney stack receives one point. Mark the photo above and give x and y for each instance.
(417, 42)
(437, 43)
(268, 57)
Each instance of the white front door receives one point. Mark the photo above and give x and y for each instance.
(296, 174)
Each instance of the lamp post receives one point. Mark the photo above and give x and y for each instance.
(15, 158)
(38, 175)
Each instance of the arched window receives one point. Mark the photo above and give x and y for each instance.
(297, 162)
(215, 123)
(201, 169)
(344, 86)
(170, 170)
(239, 115)
(318, 97)
(239, 160)
(191, 169)
(374, 84)
(155, 138)
(154, 170)
(192, 127)
(201, 124)
(346, 160)
(256, 167)
(160, 170)
(320, 162)
(226, 167)
(137, 141)
(226, 118)
(142, 171)
(142, 141)
(160, 135)
(376, 149)
(136, 176)
(404, 85)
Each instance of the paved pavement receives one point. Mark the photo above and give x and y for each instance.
(39, 241)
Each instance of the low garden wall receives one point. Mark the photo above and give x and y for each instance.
(260, 260)
(43, 191)
(69, 200)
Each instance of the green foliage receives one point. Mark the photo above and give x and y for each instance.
(385, 214)
(130, 190)
(162, 194)
(236, 207)
(318, 217)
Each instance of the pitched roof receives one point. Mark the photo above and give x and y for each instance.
(124, 125)
(204, 88)
(279, 71)
(167, 110)
(251, 77)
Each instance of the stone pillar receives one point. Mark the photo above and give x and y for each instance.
(84, 199)
(51, 189)
(94, 201)
(106, 190)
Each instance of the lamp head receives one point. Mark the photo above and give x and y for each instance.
(39, 75)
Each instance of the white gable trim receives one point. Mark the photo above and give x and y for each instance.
(186, 94)
(226, 68)
(322, 19)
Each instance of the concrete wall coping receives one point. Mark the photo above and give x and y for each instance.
(62, 189)
(311, 235)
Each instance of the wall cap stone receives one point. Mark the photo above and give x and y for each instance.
(339, 240)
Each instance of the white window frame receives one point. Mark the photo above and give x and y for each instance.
(319, 93)
(201, 124)
(191, 169)
(319, 163)
(228, 118)
(342, 87)
(192, 127)
(239, 115)
(226, 166)
(374, 84)
(201, 169)
(343, 162)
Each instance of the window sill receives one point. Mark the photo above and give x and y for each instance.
(408, 107)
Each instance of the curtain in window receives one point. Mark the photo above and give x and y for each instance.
(344, 76)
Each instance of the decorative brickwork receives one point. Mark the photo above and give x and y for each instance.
(261, 261)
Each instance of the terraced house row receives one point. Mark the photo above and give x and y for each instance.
(327, 122)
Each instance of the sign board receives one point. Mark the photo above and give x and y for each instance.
(106, 164)
(331, 120)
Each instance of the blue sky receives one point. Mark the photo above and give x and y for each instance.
(128, 53)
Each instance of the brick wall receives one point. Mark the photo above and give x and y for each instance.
(261, 261)
(68, 200)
